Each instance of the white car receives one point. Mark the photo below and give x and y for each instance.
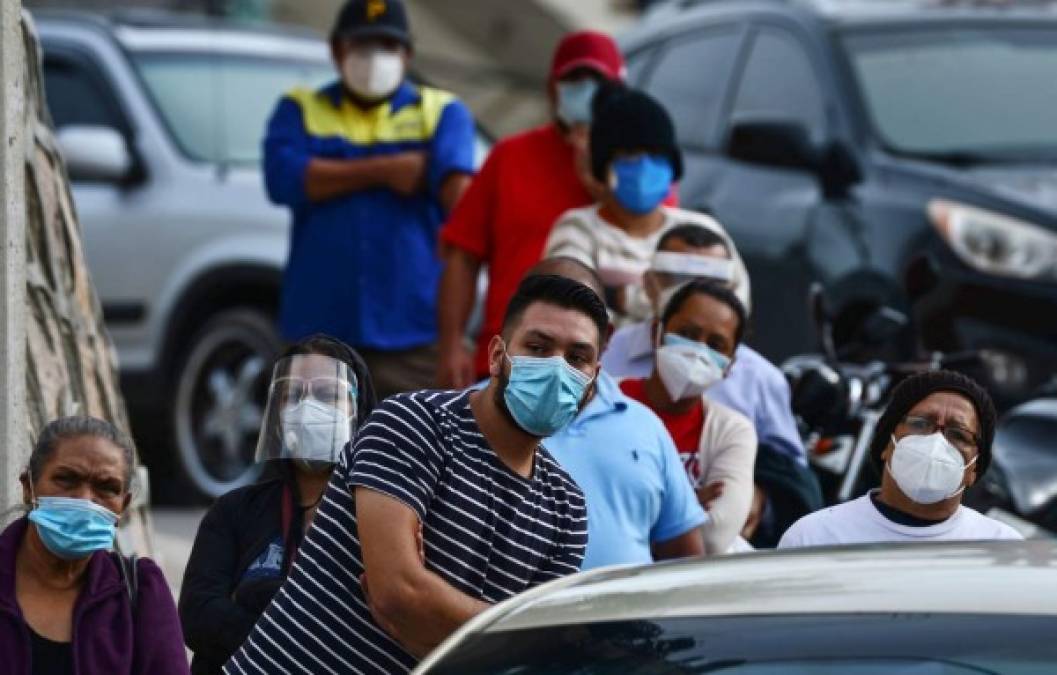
(952, 609)
(160, 117)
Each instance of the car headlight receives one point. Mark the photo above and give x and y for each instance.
(994, 243)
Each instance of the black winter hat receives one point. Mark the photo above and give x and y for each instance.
(917, 388)
(373, 18)
(632, 121)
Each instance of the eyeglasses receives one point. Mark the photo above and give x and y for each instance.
(957, 435)
(333, 390)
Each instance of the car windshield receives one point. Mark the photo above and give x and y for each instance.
(831, 644)
(217, 105)
(967, 94)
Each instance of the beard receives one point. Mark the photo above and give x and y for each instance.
(500, 398)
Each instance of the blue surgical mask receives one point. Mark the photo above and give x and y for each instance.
(73, 528)
(544, 394)
(574, 101)
(642, 182)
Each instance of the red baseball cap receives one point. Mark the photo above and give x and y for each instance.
(588, 49)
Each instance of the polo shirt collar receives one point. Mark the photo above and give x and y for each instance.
(640, 341)
(607, 399)
(405, 94)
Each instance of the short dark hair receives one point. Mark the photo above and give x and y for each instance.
(693, 235)
(713, 289)
(326, 345)
(66, 428)
(559, 291)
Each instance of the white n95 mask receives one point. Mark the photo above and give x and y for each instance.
(314, 431)
(688, 368)
(928, 469)
(373, 74)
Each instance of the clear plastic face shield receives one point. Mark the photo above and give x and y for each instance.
(669, 271)
(311, 411)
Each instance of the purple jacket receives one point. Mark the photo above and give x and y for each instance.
(106, 641)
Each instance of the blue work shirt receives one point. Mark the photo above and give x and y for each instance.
(755, 387)
(363, 267)
(624, 461)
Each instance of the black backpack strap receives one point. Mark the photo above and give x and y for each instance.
(129, 570)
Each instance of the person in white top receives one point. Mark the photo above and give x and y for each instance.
(635, 157)
(933, 441)
(698, 333)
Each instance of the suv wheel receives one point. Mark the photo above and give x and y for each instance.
(221, 390)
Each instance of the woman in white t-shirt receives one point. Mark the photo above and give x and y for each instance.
(634, 155)
(933, 442)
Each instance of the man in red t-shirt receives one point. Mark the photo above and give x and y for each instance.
(504, 218)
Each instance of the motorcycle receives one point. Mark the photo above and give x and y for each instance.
(838, 402)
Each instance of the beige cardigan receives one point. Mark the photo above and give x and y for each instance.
(727, 453)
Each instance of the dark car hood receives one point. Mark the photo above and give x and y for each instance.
(1033, 186)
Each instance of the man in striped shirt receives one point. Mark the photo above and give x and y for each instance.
(446, 504)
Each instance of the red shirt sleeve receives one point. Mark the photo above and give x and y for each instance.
(469, 225)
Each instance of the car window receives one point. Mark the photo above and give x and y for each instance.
(983, 91)
(77, 93)
(810, 644)
(690, 78)
(217, 106)
(638, 64)
(779, 81)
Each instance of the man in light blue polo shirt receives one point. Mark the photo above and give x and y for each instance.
(640, 505)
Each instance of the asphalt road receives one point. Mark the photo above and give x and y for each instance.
(174, 533)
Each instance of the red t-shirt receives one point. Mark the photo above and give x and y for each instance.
(506, 215)
(685, 428)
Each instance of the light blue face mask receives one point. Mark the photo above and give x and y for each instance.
(574, 101)
(544, 394)
(642, 182)
(721, 360)
(73, 528)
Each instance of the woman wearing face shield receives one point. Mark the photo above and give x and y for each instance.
(699, 330)
(67, 604)
(931, 444)
(247, 542)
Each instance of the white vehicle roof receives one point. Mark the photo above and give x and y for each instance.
(964, 578)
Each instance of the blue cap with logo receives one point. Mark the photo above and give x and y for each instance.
(364, 19)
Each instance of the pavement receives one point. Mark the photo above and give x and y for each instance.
(174, 533)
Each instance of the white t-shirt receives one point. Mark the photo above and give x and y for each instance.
(859, 522)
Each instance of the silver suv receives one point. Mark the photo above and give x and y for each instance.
(160, 119)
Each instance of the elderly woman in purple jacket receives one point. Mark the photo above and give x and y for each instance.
(67, 604)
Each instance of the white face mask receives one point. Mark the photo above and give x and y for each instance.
(373, 74)
(688, 368)
(928, 469)
(314, 431)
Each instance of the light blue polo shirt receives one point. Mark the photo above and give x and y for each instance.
(637, 493)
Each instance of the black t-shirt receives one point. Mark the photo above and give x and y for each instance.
(49, 657)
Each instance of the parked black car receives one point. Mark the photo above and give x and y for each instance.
(903, 154)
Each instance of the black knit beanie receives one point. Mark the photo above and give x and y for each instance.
(917, 388)
(632, 121)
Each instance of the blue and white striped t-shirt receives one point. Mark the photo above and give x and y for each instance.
(487, 531)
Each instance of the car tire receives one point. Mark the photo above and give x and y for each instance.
(220, 390)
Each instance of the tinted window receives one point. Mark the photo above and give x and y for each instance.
(638, 64)
(691, 77)
(987, 91)
(778, 81)
(819, 644)
(217, 106)
(78, 94)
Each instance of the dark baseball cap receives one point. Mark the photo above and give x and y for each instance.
(373, 18)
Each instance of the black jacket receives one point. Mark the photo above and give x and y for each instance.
(235, 531)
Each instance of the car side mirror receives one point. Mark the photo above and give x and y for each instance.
(777, 143)
(95, 153)
(786, 144)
